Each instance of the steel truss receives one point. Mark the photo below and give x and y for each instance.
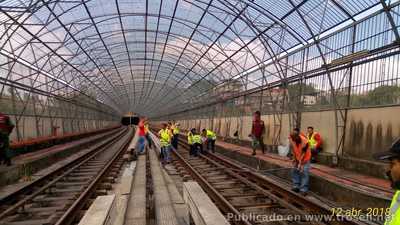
(333, 76)
(170, 58)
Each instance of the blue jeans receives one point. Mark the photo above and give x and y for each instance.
(301, 179)
(166, 152)
(174, 141)
(211, 145)
(142, 144)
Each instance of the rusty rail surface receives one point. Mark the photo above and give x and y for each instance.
(262, 193)
(58, 197)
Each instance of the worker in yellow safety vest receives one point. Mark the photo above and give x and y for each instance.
(170, 127)
(393, 156)
(176, 129)
(146, 126)
(197, 143)
(175, 135)
(190, 139)
(315, 143)
(165, 142)
(210, 137)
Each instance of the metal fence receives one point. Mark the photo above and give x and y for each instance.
(43, 114)
(354, 67)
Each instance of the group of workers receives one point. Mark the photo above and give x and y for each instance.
(305, 149)
(196, 141)
(314, 139)
(169, 138)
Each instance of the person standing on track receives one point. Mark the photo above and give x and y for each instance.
(257, 133)
(210, 137)
(393, 157)
(197, 144)
(301, 162)
(142, 136)
(6, 127)
(175, 137)
(165, 141)
(190, 140)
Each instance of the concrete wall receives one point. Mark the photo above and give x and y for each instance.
(28, 127)
(368, 130)
(371, 130)
(324, 123)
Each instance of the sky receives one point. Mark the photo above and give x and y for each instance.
(212, 47)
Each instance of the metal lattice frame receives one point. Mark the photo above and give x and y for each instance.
(166, 58)
(323, 64)
(122, 49)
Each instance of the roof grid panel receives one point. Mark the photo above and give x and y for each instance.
(294, 20)
(188, 47)
(72, 13)
(134, 6)
(321, 15)
(357, 6)
(259, 21)
(164, 26)
(154, 6)
(15, 3)
(278, 7)
(101, 7)
(168, 7)
(152, 23)
(60, 7)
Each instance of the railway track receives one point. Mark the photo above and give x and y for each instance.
(246, 197)
(61, 196)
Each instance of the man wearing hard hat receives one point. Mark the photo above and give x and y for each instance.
(393, 157)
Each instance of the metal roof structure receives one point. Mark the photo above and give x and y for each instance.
(159, 57)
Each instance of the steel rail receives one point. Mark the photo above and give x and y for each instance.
(81, 160)
(69, 216)
(224, 205)
(40, 180)
(268, 187)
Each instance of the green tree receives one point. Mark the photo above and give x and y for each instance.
(358, 100)
(307, 89)
(384, 95)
